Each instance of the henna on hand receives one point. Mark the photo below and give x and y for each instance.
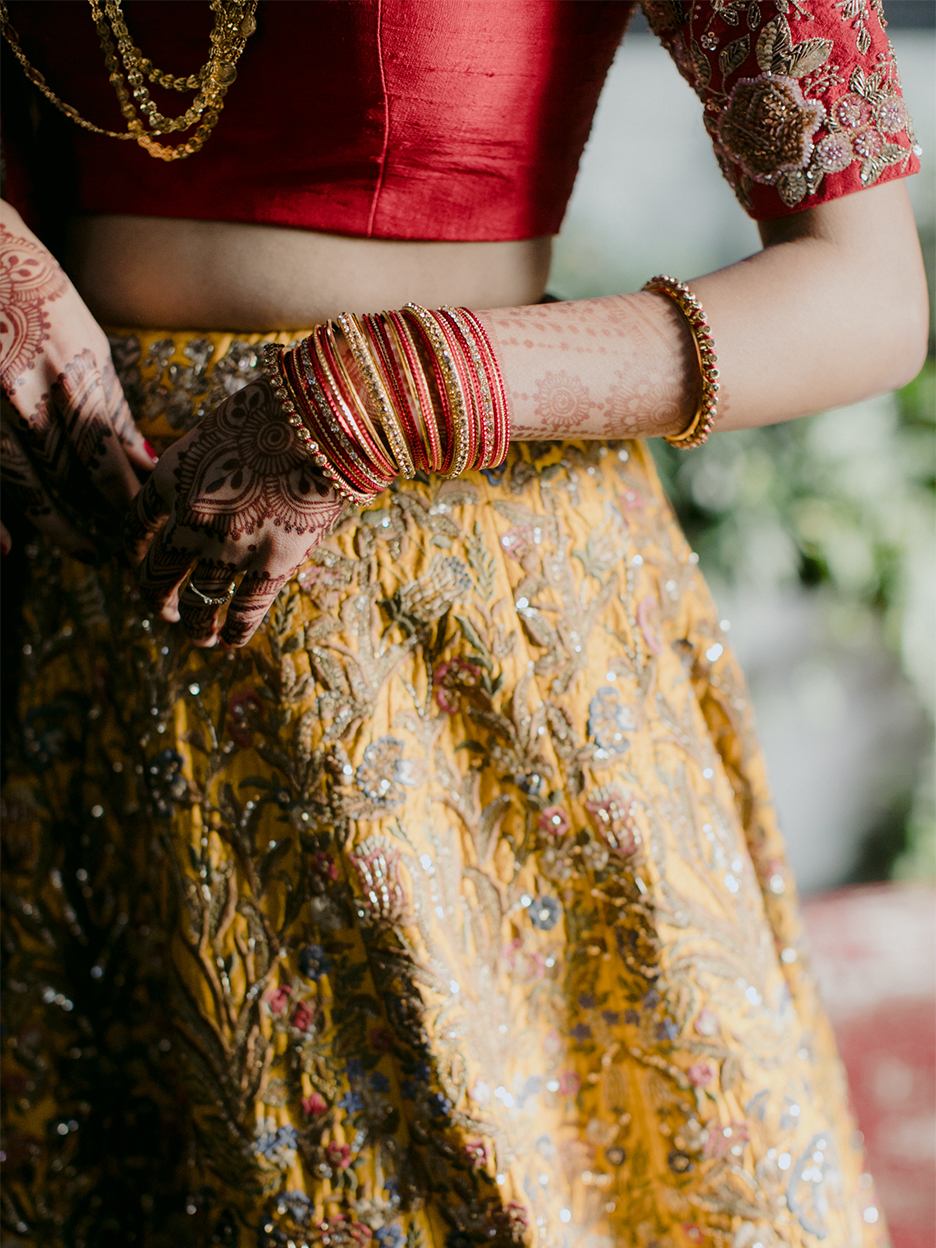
(623, 366)
(29, 281)
(238, 494)
(72, 420)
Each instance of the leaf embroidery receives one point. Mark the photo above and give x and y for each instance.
(809, 55)
(774, 46)
(700, 65)
(733, 55)
(777, 54)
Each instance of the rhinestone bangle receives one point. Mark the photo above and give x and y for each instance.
(702, 423)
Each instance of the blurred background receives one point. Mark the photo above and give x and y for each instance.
(818, 539)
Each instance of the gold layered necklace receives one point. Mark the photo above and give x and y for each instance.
(234, 23)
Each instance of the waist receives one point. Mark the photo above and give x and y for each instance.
(138, 271)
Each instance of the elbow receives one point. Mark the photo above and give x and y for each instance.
(912, 355)
(903, 341)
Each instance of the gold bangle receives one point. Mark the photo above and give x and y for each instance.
(702, 423)
(377, 392)
(453, 387)
(352, 393)
(272, 366)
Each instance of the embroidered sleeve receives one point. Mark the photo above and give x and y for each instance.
(802, 97)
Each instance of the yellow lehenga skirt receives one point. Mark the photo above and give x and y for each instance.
(450, 912)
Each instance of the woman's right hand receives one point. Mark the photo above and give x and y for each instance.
(64, 421)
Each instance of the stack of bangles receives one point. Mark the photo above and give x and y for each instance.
(395, 393)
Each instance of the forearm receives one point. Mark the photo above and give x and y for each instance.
(831, 311)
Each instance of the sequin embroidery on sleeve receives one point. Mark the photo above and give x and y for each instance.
(802, 100)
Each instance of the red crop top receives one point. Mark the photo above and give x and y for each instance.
(460, 119)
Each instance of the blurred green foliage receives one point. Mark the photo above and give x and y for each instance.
(845, 499)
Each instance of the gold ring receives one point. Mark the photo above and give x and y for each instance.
(213, 602)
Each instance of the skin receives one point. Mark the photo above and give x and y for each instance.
(832, 310)
(64, 422)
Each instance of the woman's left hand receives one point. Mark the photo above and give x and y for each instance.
(238, 494)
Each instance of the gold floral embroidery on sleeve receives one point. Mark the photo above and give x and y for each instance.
(784, 111)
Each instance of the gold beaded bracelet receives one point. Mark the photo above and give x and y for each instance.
(702, 423)
(272, 357)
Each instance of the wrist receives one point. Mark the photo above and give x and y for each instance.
(394, 394)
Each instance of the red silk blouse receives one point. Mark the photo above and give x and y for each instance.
(459, 119)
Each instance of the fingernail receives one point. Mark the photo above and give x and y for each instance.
(4, 548)
(150, 452)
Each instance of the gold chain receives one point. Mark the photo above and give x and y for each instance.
(234, 24)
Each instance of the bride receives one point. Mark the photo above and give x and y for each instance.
(389, 859)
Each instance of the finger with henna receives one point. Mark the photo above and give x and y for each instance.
(249, 605)
(212, 578)
(162, 572)
(142, 520)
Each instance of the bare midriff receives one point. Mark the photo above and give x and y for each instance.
(214, 275)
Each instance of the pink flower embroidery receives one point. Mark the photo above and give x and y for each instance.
(721, 1139)
(868, 143)
(834, 152)
(448, 677)
(610, 807)
(518, 542)
(892, 115)
(278, 998)
(340, 1231)
(700, 1074)
(314, 1106)
(569, 1083)
(338, 1155)
(852, 111)
(302, 1017)
(554, 821)
(324, 865)
(524, 965)
(476, 1152)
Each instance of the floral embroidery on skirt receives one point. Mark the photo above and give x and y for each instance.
(451, 911)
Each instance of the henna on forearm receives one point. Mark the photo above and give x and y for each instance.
(617, 367)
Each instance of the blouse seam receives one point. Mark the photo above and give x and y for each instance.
(386, 125)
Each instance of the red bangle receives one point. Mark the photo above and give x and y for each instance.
(420, 385)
